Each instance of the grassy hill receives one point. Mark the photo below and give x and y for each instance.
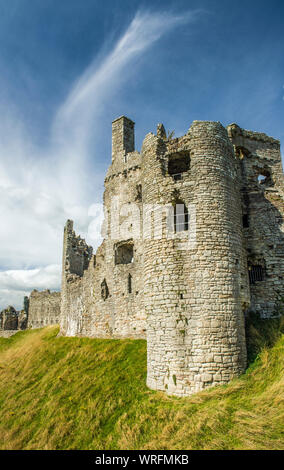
(79, 393)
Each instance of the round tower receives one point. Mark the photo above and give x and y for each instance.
(193, 291)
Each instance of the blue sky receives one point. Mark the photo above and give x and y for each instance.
(68, 68)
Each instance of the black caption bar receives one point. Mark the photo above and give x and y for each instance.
(130, 459)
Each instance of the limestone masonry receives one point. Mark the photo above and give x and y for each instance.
(44, 308)
(193, 240)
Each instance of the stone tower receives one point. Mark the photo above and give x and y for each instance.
(195, 320)
(122, 137)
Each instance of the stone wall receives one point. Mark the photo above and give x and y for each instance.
(106, 299)
(22, 320)
(262, 189)
(9, 319)
(44, 308)
(195, 327)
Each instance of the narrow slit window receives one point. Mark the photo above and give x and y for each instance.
(245, 221)
(104, 290)
(129, 284)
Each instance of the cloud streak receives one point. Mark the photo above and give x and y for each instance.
(41, 187)
(100, 81)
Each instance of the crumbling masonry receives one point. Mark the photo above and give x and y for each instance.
(187, 297)
(11, 320)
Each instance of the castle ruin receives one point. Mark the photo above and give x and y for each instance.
(12, 320)
(185, 282)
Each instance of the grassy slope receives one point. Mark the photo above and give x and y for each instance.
(79, 393)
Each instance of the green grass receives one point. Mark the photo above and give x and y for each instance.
(80, 393)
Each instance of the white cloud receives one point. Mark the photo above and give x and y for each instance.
(25, 279)
(41, 187)
(15, 284)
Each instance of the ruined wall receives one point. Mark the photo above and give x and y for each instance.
(9, 319)
(106, 298)
(44, 308)
(22, 320)
(263, 211)
(12, 320)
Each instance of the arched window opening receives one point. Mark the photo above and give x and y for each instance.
(180, 217)
(129, 284)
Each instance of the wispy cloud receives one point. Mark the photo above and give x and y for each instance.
(41, 188)
(100, 81)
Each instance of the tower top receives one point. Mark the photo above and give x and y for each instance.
(124, 118)
(122, 136)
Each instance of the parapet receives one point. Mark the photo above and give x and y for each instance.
(235, 133)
